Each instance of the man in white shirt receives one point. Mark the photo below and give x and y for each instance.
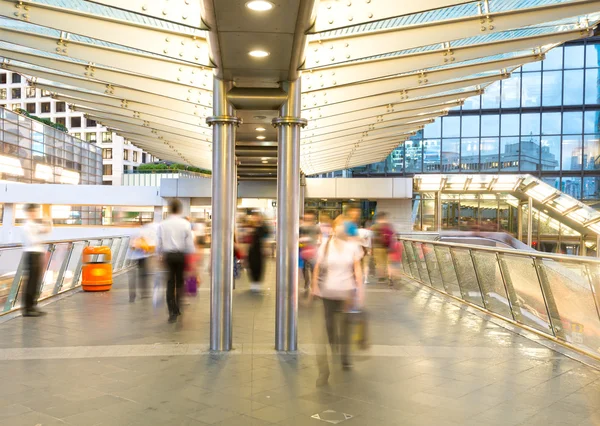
(34, 253)
(175, 240)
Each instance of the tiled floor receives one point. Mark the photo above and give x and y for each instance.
(95, 359)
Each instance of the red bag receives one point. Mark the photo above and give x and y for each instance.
(308, 252)
(191, 261)
(396, 252)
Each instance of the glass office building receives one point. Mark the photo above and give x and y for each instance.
(544, 121)
(32, 152)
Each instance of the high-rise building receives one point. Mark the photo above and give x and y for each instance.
(119, 156)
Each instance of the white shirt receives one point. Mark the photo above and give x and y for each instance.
(339, 280)
(31, 232)
(175, 236)
(364, 236)
(200, 230)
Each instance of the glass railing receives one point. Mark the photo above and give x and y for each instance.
(153, 177)
(556, 295)
(62, 267)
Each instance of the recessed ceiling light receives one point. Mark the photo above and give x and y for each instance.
(259, 5)
(265, 162)
(260, 137)
(264, 158)
(258, 53)
(260, 129)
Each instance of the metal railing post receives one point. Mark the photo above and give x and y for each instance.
(513, 299)
(61, 272)
(549, 300)
(478, 278)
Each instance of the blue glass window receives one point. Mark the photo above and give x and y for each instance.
(551, 123)
(450, 155)
(550, 152)
(532, 89)
(571, 153)
(554, 182)
(591, 152)
(432, 151)
(573, 123)
(574, 57)
(532, 66)
(592, 122)
(573, 88)
(490, 125)
(474, 102)
(530, 124)
(592, 91)
(489, 154)
(451, 127)
(469, 154)
(530, 153)
(552, 88)
(591, 188)
(491, 98)
(510, 124)
(554, 59)
(470, 126)
(571, 186)
(413, 156)
(433, 130)
(511, 92)
(592, 55)
(509, 154)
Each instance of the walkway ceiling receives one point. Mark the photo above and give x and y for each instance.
(373, 72)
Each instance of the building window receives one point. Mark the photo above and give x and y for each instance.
(30, 92)
(107, 169)
(15, 107)
(46, 107)
(31, 108)
(45, 93)
(90, 123)
(16, 78)
(75, 121)
(76, 135)
(61, 120)
(106, 137)
(107, 154)
(3, 93)
(61, 107)
(16, 93)
(125, 155)
(3, 78)
(90, 137)
(135, 156)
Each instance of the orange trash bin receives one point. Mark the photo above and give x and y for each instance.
(96, 271)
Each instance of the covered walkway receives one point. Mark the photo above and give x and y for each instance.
(95, 359)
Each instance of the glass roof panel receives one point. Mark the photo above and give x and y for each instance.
(122, 15)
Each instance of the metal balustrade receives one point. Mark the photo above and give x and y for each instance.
(556, 295)
(62, 267)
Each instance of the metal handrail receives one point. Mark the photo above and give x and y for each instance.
(536, 254)
(552, 295)
(65, 271)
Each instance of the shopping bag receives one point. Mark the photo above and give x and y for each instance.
(158, 293)
(359, 326)
(191, 285)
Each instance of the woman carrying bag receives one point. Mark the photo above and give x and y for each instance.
(338, 281)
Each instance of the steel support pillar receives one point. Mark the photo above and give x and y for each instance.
(530, 222)
(438, 211)
(224, 124)
(288, 209)
(302, 193)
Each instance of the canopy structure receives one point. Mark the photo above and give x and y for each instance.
(372, 72)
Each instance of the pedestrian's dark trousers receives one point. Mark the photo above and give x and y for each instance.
(33, 263)
(338, 331)
(175, 267)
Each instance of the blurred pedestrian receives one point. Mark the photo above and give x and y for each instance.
(142, 247)
(310, 236)
(352, 220)
(364, 239)
(338, 281)
(256, 255)
(383, 239)
(34, 257)
(325, 225)
(175, 240)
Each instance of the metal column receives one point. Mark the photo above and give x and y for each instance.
(223, 217)
(530, 222)
(288, 209)
(302, 193)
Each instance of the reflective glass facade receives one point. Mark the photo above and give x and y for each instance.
(32, 152)
(544, 120)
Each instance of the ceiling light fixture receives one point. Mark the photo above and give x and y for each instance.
(260, 137)
(265, 162)
(260, 129)
(258, 53)
(259, 5)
